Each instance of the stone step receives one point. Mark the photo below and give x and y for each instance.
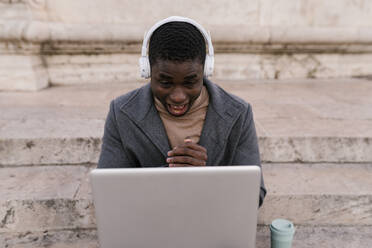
(305, 237)
(71, 238)
(318, 194)
(40, 198)
(306, 121)
(52, 205)
(322, 237)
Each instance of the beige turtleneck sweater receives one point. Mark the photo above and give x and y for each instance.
(188, 126)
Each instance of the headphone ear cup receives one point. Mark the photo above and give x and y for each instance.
(208, 65)
(145, 69)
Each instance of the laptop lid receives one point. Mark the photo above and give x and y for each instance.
(198, 207)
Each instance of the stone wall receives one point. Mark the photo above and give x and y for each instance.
(48, 42)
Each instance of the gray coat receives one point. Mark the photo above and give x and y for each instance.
(134, 134)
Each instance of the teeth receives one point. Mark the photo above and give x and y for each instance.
(178, 107)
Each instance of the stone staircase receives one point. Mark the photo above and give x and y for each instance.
(315, 140)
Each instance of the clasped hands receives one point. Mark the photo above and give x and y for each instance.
(187, 154)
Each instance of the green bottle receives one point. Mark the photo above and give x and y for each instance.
(282, 232)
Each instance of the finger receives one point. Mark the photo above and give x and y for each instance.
(186, 151)
(186, 160)
(184, 165)
(189, 143)
(179, 150)
(194, 146)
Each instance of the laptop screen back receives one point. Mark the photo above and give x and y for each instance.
(198, 207)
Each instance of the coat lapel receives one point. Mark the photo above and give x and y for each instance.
(143, 112)
(221, 115)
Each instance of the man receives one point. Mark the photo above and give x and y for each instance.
(180, 118)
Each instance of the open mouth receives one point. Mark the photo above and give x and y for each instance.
(177, 110)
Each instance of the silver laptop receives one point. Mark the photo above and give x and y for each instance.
(191, 207)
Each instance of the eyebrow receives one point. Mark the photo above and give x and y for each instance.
(164, 76)
(191, 77)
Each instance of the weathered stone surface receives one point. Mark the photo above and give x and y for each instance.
(302, 22)
(305, 237)
(322, 237)
(319, 194)
(255, 12)
(45, 198)
(14, 10)
(51, 206)
(39, 215)
(324, 179)
(266, 39)
(50, 150)
(316, 13)
(115, 11)
(22, 72)
(319, 209)
(41, 182)
(59, 197)
(105, 68)
(309, 120)
(73, 238)
(19, 71)
(282, 65)
(315, 148)
(85, 149)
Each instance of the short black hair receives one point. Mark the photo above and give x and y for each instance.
(177, 41)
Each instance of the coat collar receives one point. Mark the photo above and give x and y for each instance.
(222, 113)
(140, 108)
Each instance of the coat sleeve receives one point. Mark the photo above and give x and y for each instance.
(247, 151)
(112, 151)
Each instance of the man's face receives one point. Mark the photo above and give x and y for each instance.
(177, 84)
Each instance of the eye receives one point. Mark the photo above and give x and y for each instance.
(189, 84)
(165, 84)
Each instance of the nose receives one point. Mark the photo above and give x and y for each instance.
(178, 96)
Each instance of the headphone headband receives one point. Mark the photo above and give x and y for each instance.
(148, 35)
(144, 60)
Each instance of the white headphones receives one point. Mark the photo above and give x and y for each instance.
(144, 61)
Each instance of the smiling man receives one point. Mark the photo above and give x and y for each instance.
(180, 118)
